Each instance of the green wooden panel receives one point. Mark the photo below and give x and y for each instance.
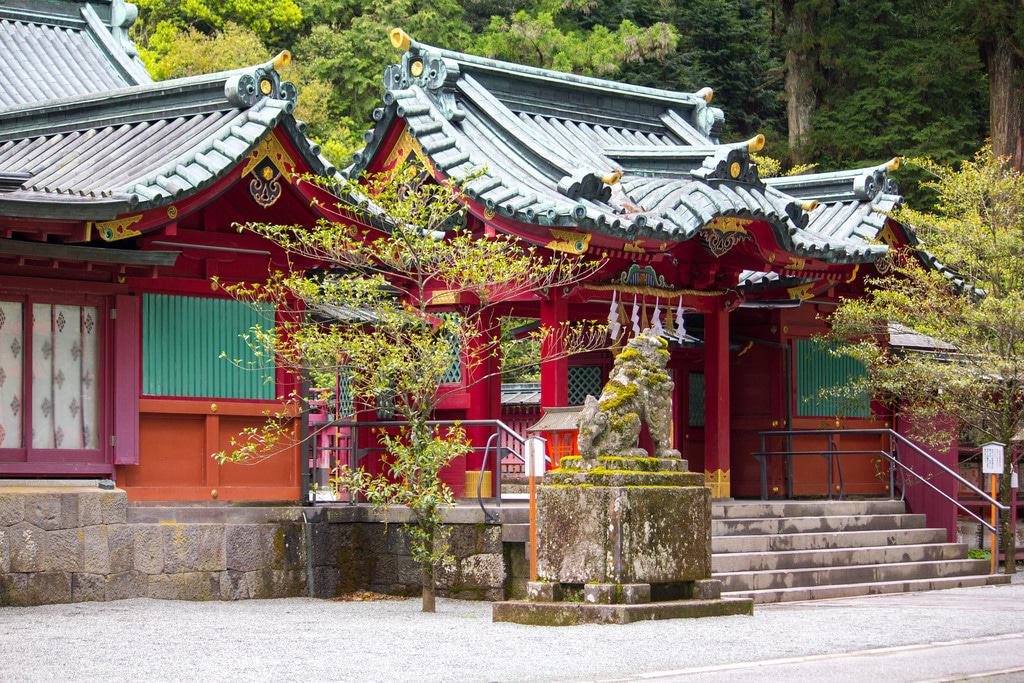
(454, 373)
(584, 380)
(696, 399)
(816, 369)
(182, 340)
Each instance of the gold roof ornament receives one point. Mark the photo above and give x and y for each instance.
(707, 93)
(893, 164)
(612, 178)
(400, 40)
(283, 59)
(755, 144)
(809, 205)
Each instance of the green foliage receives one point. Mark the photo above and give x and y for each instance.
(538, 39)
(977, 377)
(273, 21)
(397, 274)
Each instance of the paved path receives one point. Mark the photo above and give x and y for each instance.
(302, 639)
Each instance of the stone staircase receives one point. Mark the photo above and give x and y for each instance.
(813, 550)
(786, 551)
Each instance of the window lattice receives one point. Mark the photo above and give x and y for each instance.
(584, 380)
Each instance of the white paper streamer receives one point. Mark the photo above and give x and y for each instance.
(656, 326)
(613, 318)
(635, 317)
(680, 322)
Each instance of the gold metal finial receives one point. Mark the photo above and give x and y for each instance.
(283, 59)
(809, 205)
(893, 164)
(755, 144)
(400, 40)
(707, 93)
(416, 68)
(612, 178)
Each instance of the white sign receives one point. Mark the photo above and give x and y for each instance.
(1014, 481)
(534, 452)
(992, 458)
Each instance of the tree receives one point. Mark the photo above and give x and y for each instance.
(977, 231)
(998, 26)
(395, 274)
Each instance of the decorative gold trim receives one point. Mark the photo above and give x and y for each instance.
(569, 242)
(444, 297)
(416, 68)
(653, 291)
(853, 275)
(111, 231)
(270, 147)
(796, 264)
(802, 292)
(172, 212)
(749, 345)
(755, 144)
(720, 483)
(405, 146)
(488, 214)
(888, 235)
(728, 224)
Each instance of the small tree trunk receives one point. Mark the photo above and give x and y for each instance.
(801, 70)
(1006, 106)
(429, 592)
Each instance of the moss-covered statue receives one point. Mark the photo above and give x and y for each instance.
(639, 390)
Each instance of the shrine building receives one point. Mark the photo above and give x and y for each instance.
(118, 197)
(736, 270)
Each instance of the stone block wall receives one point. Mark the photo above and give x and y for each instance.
(82, 544)
(357, 549)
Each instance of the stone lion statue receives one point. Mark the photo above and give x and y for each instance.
(639, 390)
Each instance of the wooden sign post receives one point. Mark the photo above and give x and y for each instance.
(992, 462)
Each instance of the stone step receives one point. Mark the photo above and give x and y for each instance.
(808, 508)
(797, 525)
(515, 533)
(762, 543)
(866, 573)
(514, 513)
(837, 557)
(850, 590)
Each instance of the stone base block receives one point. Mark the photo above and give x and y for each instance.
(573, 613)
(616, 593)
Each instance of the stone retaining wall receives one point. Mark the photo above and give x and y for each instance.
(72, 545)
(355, 548)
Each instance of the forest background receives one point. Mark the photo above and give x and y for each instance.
(836, 83)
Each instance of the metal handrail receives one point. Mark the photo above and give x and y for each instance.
(893, 457)
(500, 428)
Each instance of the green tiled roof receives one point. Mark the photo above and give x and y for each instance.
(91, 136)
(62, 48)
(540, 144)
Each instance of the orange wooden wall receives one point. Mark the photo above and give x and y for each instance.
(176, 440)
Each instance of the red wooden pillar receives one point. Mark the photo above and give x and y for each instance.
(716, 401)
(484, 388)
(554, 367)
(554, 364)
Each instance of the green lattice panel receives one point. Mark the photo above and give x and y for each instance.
(454, 373)
(182, 341)
(818, 368)
(696, 399)
(584, 380)
(346, 406)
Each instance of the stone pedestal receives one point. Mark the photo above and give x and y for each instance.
(621, 539)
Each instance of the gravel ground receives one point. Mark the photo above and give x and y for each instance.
(302, 639)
